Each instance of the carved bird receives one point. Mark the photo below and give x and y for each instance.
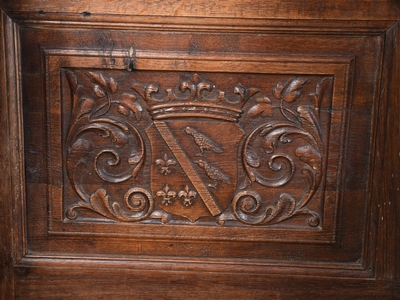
(203, 142)
(213, 173)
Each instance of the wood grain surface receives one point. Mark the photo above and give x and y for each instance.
(200, 150)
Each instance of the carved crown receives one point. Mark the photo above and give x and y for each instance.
(195, 97)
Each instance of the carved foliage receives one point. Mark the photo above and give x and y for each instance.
(267, 139)
(122, 152)
(283, 145)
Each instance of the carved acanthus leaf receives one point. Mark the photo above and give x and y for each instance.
(262, 108)
(100, 203)
(248, 208)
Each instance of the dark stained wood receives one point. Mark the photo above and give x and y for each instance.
(186, 149)
(11, 192)
(388, 260)
(6, 238)
(295, 9)
(146, 284)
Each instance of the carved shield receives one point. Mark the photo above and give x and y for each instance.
(194, 169)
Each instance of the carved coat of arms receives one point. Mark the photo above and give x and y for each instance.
(141, 152)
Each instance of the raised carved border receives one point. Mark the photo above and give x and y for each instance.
(341, 67)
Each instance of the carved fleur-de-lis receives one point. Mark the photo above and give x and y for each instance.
(164, 164)
(167, 195)
(187, 196)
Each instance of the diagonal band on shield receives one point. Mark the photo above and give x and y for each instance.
(191, 173)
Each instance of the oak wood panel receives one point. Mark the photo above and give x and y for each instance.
(124, 48)
(33, 121)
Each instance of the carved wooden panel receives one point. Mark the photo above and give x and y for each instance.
(186, 151)
(222, 147)
(150, 144)
(191, 137)
(245, 147)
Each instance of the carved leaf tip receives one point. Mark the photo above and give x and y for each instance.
(129, 101)
(97, 78)
(306, 113)
(112, 85)
(277, 90)
(99, 91)
(320, 90)
(72, 80)
(263, 108)
(139, 88)
(100, 202)
(292, 91)
(123, 111)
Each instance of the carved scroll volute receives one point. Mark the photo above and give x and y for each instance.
(109, 145)
(269, 139)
